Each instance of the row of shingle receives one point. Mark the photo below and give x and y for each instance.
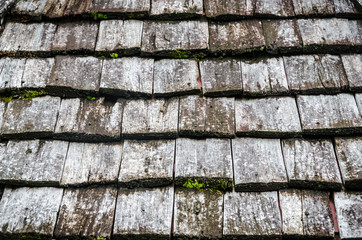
(185, 8)
(173, 38)
(148, 214)
(258, 164)
(124, 77)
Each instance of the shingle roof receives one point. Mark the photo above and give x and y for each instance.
(178, 119)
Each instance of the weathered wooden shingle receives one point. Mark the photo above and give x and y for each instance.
(251, 216)
(33, 162)
(353, 67)
(258, 164)
(117, 7)
(144, 214)
(83, 119)
(37, 71)
(29, 211)
(359, 102)
(2, 111)
(232, 8)
(150, 118)
(315, 74)
(89, 163)
(198, 215)
(127, 77)
(311, 164)
(345, 8)
(275, 8)
(176, 8)
(349, 152)
(267, 117)
(30, 118)
(147, 163)
(176, 76)
(78, 7)
(86, 212)
(192, 116)
(11, 73)
(40, 8)
(313, 7)
(349, 214)
(329, 114)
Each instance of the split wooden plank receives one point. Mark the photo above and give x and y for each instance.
(33, 162)
(198, 215)
(86, 212)
(119, 7)
(176, 8)
(144, 214)
(349, 214)
(311, 164)
(231, 9)
(176, 77)
(326, 114)
(353, 67)
(313, 7)
(30, 211)
(31, 118)
(349, 152)
(150, 118)
(251, 216)
(83, 119)
(276, 8)
(267, 117)
(258, 164)
(147, 163)
(127, 77)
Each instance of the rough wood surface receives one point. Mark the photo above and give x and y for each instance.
(349, 214)
(117, 35)
(5, 6)
(313, 7)
(170, 7)
(315, 74)
(349, 152)
(329, 114)
(258, 164)
(77, 7)
(11, 73)
(2, 111)
(359, 102)
(37, 72)
(127, 77)
(243, 36)
(267, 117)
(31, 7)
(83, 119)
(219, 121)
(147, 163)
(176, 76)
(144, 214)
(197, 215)
(345, 8)
(150, 118)
(29, 210)
(264, 77)
(33, 162)
(171, 36)
(192, 116)
(291, 208)
(221, 77)
(278, 8)
(29, 118)
(221, 8)
(122, 6)
(311, 164)
(353, 67)
(89, 163)
(86, 212)
(251, 216)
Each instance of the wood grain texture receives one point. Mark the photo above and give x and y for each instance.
(277, 8)
(353, 67)
(176, 7)
(313, 7)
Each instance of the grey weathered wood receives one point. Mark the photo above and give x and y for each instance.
(133, 6)
(150, 118)
(315, 74)
(349, 214)
(311, 164)
(55, 8)
(11, 73)
(144, 214)
(192, 116)
(176, 76)
(33, 162)
(251, 216)
(89, 163)
(220, 8)
(78, 7)
(281, 35)
(313, 7)
(2, 111)
(30, 118)
(147, 163)
(73, 74)
(240, 37)
(276, 8)
(258, 164)
(349, 152)
(203, 160)
(176, 7)
(79, 36)
(37, 72)
(264, 77)
(353, 67)
(345, 8)
(37, 9)
(197, 215)
(221, 77)
(82, 119)
(267, 117)
(167, 37)
(291, 208)
(127, 76)
(329, 114)
(29, 211)
(359, 102)
(86, 212)
(116, 35)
